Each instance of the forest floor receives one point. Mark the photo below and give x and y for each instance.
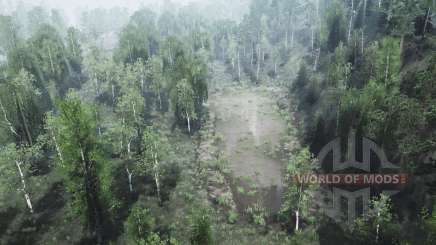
(251, 128)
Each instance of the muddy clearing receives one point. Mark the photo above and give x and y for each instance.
(251, 128)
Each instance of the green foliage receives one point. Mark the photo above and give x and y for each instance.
(387, 60)
(19, 103)
(299, 196)
(257, 214)
(184, 101)
(201, 232)
(155, 151)
(12, 190)
(339, 70)
(429, 226)
(378, 225)
(138, 40)
(83, 167)
(8, 34)
(302, 79)
(335, 26)
(233, 217)
(140, 225)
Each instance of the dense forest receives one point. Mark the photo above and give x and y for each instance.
(186, 123)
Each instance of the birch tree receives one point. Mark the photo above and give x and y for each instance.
(156, 73)
(17, 105)
(298, 195)
(16, 175)
(155, 150)
(184, 103)
(82, 163)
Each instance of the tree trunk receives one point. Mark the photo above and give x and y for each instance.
(189, 122)
(401, 48)
(315, 64)
(58, 149)
(239, 67)
(113, 95)
(72, 45)
(159, 97)
(350, 24)
(286, 39)
(134, 111)
(129, 149)
(297, 212)
(387, 68)
(130, 51)
(275, 68)
(122, 136)
(19, 102)
(312, 42)
(297, 220)
(363, 23)
(51, 59)
(142, 85)
(94, 209)
(129, 175)
(97, 122)
(156, 176)
(96, 85)
(258, 64)
(23, 182)
(426, 22)
(252, 55)
(7, 122)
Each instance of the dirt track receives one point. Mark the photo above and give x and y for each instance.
(251, 128)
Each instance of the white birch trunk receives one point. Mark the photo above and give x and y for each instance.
(387, 67)
(129, 148)
(239, 66)
(58, 149)
(134, 111)
(317, 54)
(363, 24)
(159, 97)
(286, 39)
(350, 24)
(170, 58)
(312, 39)
(275, 67)
(258, 64)
(142, 85)
(189, 122)
(426, 21)
(156, 175)
(51, 59)
(129, 175)
(20, 103)
(72, 45)
(297, 220)
(23, 182)
(113, 95)
(7, 122)
(252, 55)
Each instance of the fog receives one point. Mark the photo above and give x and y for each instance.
(72, 9)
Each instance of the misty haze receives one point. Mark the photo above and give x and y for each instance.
(166, 122)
